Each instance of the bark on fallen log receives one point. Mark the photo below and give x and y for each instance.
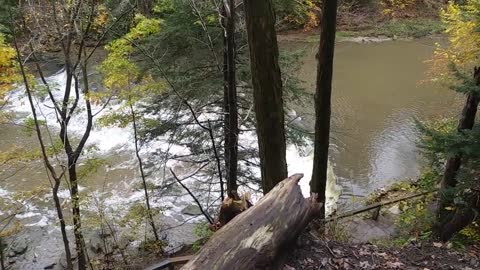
(253, 239)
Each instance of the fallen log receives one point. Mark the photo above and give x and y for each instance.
(169, 263)
(254, 238)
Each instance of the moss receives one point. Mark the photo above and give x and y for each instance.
(203, 232)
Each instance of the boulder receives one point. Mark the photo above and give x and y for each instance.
(191, 210)
(19, 247)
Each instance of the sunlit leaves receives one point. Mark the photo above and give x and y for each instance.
(298, 13)
(8, 71)
(395, 8)
(101, 19)
(463, 30)
(121, 74)
(164, 7)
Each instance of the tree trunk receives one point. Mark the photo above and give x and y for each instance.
(453, 164)
(46, 161)
(462, 217)
(142, 174)
(58, 207)
(254, 239)
(230, 99)
(267, 91)
(323, 100)
(77, 222)
(2, 257)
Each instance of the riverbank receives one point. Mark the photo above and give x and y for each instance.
(398, 29)
(375, 21)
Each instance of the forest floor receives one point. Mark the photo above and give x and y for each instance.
(313, 253)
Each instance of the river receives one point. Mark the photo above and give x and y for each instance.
(379, 89)
(377, 94)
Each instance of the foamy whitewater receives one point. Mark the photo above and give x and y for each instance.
(114, 140)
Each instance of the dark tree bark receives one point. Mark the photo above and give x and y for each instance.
(255, 238)
(2, 257)
(444, 229)
(267, 91)
(323, 100)
(230, 98)
(462, 217)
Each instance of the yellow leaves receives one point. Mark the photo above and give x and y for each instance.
(394, 8)
(122, 75)
(144, 27)
(11, 230)
(164, 6)
(463, 31)
(8, 74)
(101, 19)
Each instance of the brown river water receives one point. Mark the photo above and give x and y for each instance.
(378, 91)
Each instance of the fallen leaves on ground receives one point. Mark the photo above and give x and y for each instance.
(312, 253)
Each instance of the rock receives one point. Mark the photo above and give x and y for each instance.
(50, 266)
(395, 210)
(178, 217)
(19, 247)
(191, 210)
(368, 39)
(124, 240)
(95, 244)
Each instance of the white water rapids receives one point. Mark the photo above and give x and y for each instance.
(116, 141)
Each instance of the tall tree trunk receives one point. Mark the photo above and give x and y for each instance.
(230, 98)
(2, 257)
(323, 101)
(46, 160)
(462, 217)
(453, 164)
(58, 207)
(142, 174)
(77, 222)
(267, 91)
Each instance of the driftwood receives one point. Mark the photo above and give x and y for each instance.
(254, 238)
(376, 206)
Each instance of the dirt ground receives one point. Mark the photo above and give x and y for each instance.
(314, 253)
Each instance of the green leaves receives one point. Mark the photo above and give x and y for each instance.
(90, 166)
(163, 7)
(120, 73)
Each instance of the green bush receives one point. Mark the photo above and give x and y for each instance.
(411, 28)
